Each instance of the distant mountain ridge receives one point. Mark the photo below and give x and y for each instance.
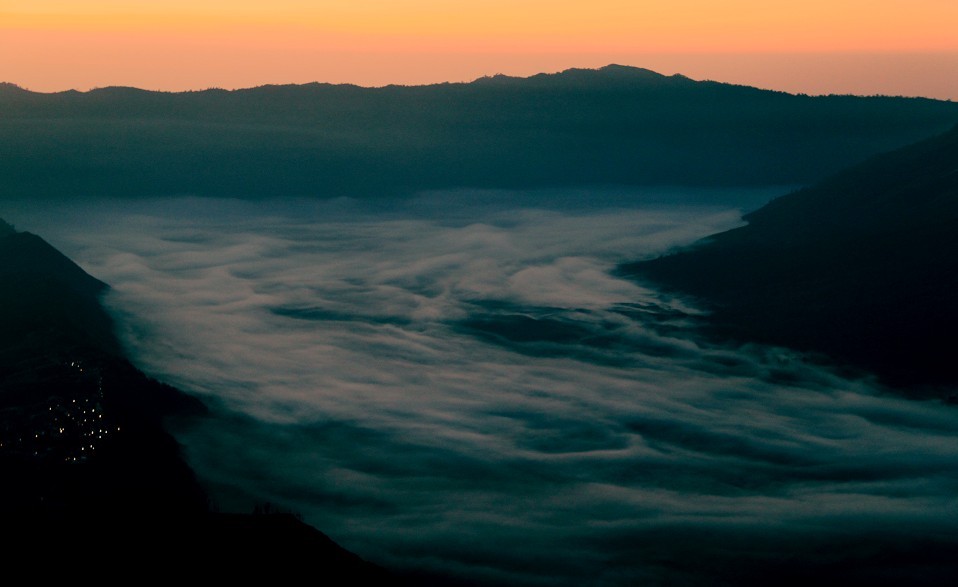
(613, 126)
(862, 267)
(572, 76)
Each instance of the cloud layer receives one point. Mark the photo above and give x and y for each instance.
(468, 391)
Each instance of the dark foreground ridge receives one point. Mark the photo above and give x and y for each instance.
(612, 126)
(88, 474)
(862, 267)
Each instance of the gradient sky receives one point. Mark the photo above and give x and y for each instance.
(906, 47)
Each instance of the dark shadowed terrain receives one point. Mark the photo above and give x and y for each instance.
(861, 267)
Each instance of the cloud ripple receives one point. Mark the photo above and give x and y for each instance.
(471, 393)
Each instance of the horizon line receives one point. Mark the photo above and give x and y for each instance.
(481, 78)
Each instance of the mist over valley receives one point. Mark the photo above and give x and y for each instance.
(470, 392)
(599, 327)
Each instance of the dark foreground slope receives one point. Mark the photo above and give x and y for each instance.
(88, 474)
(862, 267)
(617, 125)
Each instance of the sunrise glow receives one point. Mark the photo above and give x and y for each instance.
(50, 45)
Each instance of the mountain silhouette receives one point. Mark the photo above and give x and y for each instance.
(612, 126)
(861, 267)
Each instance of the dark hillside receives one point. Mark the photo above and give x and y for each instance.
(862, 267)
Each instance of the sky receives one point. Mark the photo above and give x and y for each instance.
(897, 47)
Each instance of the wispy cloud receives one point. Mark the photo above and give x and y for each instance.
(473, 393)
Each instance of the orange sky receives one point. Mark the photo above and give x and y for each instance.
(907, 47)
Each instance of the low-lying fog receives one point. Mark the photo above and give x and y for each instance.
(457, 384)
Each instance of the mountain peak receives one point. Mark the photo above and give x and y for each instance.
(608, 74)
(619, 75)
(613, 71)
(615, 68)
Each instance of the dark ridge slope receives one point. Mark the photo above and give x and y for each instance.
(862, 267)
(27, 254)
(616, 125)
(80, 428)
(88, 473)
(44, 296)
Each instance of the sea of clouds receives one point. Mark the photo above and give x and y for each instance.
(458, 385)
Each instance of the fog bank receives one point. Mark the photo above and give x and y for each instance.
(468, 391)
